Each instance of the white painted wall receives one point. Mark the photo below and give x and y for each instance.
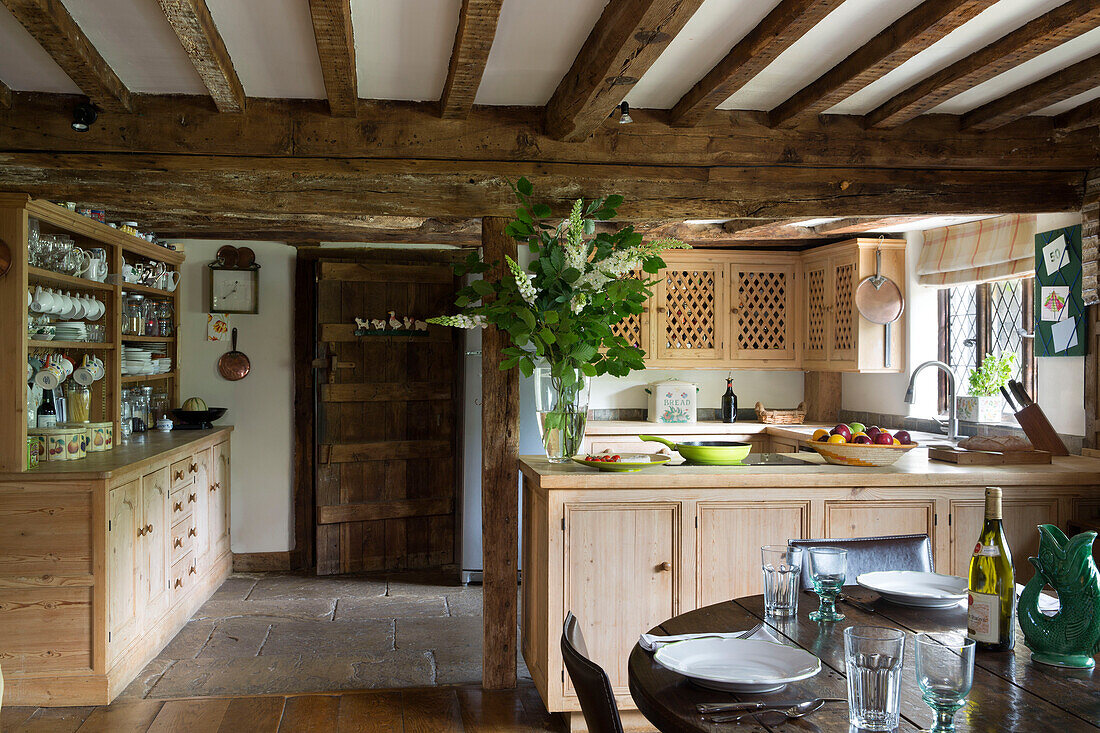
(261, 404)
(1060, 380)
(777, 389)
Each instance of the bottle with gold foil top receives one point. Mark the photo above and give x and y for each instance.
(991, 600)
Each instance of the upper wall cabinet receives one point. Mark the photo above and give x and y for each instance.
(754, 310)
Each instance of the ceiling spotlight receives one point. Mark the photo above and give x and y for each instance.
(84, 114)
(624, 114)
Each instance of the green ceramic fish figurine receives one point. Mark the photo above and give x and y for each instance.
(1071, 637)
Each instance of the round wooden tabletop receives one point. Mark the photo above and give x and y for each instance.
(1010, 693)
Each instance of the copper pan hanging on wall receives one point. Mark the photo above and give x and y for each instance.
(234, 365)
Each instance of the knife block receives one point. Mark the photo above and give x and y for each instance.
(1039, 430)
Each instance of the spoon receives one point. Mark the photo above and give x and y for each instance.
(800, 710)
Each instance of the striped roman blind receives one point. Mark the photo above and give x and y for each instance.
(1002, 248)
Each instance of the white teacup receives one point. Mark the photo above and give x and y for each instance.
(83, 375)
(43, 300)
(74, 310)
(61, 304)
(67, 365)
(97, 367)
(94, 309)
(50, 375)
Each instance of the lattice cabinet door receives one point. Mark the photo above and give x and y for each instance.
(817, 300)
(635, 328)
(844, 340)
(762, 311)
(690, 304)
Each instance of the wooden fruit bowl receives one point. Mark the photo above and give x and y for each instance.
(859, 454)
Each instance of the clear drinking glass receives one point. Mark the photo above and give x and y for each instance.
(782, 568)
(873, 658)
(828, 566)
(945, 672)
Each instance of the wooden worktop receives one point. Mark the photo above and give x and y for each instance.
(715, 427)
(913, 469)
(150, 447)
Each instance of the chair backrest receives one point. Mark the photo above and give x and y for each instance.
(589, 680)
(868, 554)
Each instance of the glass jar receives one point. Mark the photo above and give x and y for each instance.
(164, 318)
(133, 321)
(149, 315)
(78, 402)
(126, 414)
(139, 406)
(159, 405)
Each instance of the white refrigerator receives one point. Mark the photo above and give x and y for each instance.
(471, 451)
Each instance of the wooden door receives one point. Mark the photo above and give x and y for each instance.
(124, 576)
(386, 484)
(877, 518)
(1021, 517)
(621, 575)
(844, 320)
(217, 507)
(762, 312)
(200, 507)
(817, 286)
(155, 543)
(730, 537)
(690, 306)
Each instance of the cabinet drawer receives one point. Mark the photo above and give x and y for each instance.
(184, 471)
(180, 503)
(184, 575)
(182, 538)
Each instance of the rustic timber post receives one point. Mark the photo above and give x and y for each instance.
(1090, 260)
(821, 395)
(499, 484)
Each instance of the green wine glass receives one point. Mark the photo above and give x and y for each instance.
(828, 566)
(945, 672)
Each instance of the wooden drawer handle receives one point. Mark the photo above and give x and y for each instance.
(141, 531)
(665, 566)
(178, 506)
(148, 529)
(193, 468)
(191, 571)
(178, 542)
(217, 485)
(179, 475)
(179, 582)
(191, 498)
(191, 532)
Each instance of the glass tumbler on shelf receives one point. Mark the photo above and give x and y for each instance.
(782, 568)
(945, 672)
(873, 658)
(828, 568)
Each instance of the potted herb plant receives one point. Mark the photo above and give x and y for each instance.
(984, 401)
(559, 313)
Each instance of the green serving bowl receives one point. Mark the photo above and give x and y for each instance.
(707, 452)
(655, 459)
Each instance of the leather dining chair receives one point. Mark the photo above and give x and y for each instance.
(593, 687)
(868, 554)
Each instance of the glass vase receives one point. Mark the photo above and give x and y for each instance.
(561, 405)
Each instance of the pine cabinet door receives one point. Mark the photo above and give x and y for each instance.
(155, 542)
(218, 504)
(124, 567)
(844, 321)
(818, 300)
(762, 312)
(199, 510)
(1020, 518)
(621, 566)
(690, 306)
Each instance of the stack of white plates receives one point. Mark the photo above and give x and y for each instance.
(914, 588)
(71, 331)
(145, 359)
(738, 665)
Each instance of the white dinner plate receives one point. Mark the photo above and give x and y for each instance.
(738, 665)
(914, 588)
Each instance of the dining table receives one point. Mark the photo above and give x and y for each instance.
(1010, 691)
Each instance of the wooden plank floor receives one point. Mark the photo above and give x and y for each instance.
(459, 709)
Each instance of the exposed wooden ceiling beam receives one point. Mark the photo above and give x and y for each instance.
(1038, 36)
(1057, 87)
(198, 35)
(1080, 117)
(336, 50)
(626, 40)
(55, 30)
(913, 32)
(477, 26)
(393, 130)
(281, 227)
(411, 187)
(785, 24)
(858, 225)
(774, 229)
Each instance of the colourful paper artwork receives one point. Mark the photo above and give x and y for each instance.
(217, 327)
(1059, 309)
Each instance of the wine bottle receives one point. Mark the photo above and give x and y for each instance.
(991, 609)
(47, 414)
(729, 402)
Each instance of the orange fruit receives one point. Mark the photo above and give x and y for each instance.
(837, 439)
(897, 442)
(821, 434)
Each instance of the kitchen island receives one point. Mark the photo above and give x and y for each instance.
(624, 551)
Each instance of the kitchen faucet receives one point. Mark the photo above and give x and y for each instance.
(952, 427)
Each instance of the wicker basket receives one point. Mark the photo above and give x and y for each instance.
(782, 417)
(859, 454)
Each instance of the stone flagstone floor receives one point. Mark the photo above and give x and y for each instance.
(288, 633)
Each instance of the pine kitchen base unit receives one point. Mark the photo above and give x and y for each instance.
(103, 561)
(625, 551)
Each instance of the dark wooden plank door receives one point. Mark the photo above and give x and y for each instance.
(386, 483)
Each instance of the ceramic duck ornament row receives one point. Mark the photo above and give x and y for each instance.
(393, 324)
(1071, 637)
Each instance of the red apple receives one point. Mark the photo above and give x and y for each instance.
(873, 430)
(883, 438)
(844, 430)
(861, 439)
(903, 437)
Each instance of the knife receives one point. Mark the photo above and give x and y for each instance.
(1021, 395)
(723, 707)
(1011, 402)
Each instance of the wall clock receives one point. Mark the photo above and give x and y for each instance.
(234, 290)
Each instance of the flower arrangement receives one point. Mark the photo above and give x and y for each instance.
(560, 311)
